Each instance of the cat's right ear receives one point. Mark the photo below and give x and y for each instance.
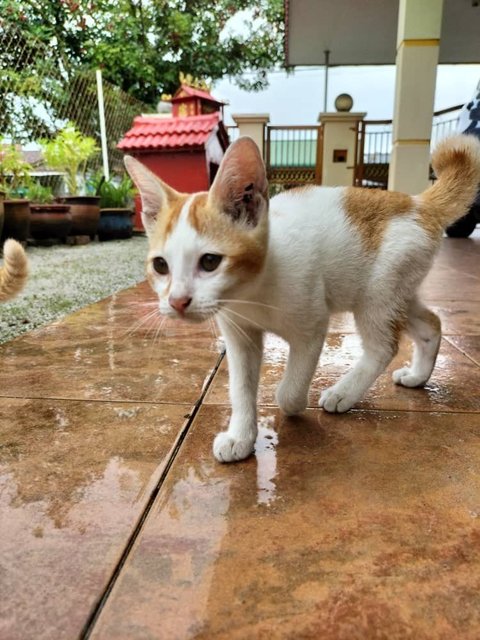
(155, 194)
(240, 188)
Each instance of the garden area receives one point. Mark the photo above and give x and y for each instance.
(69, 267)
(64, 279)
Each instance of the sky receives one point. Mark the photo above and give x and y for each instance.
(298, 98)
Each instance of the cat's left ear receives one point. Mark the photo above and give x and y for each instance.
(156, 195)
(240, 188)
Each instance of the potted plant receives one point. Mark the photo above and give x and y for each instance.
(48, 219)
(14, 181)
(116, 209)
(69, 152)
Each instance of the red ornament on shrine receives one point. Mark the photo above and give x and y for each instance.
(184, 149)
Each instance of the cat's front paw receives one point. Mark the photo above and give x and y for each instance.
(291, 404)
(337, 400)
(227, 449)
(406, 378)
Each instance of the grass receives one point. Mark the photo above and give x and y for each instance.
(63, 279)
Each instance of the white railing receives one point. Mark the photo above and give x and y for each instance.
(376, 140)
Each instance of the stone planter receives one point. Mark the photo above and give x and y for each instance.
(16, 222)
(115, 224)
(85, 213)
(50, 221)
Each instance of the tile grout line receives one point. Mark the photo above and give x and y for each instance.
(464, 353)
(99, 400)
(89, 626)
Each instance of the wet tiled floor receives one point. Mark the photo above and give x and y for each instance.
(117, 522)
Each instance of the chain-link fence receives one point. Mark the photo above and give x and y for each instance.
(40, 94)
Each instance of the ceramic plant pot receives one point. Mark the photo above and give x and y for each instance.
(85, 213)
(115, 224)
(50, 221)
(16, 222)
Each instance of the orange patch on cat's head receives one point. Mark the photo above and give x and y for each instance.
(167, 219)
(245, 247)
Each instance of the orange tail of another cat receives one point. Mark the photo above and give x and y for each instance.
(456, 162)
(14, 272)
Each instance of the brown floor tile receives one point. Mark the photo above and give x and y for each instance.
(89, 355)
(357, 526)
(469, 345)
(75, 478)
(459, 317)
(455, 274)
(453, 386)
(450, 283)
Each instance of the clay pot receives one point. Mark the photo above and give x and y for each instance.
(85, 213)
(115, 224)
(16, 223)
(50, 221)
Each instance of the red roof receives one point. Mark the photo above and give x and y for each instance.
(194, 93)
(151, 132)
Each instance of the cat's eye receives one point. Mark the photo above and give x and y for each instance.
(160, 265)
(210, 261)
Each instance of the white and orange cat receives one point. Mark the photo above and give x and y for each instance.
(287, 267)
(14, 272)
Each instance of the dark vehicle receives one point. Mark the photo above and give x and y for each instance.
(468, 122)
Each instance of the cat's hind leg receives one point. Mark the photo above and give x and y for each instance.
(380, 333)
(292, 392)
(425, 329)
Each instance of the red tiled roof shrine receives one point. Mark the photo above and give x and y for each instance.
(151, 132)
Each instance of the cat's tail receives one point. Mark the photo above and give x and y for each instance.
(14, 272)
(456, 162)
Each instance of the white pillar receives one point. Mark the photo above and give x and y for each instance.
(253, 125)
(339, 147)
(103, 128)
(418, 41)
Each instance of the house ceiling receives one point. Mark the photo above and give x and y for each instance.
(364, 32)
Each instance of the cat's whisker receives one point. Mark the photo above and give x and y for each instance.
(240, 331)
(144, 303)
(214, 327)
(137, 324)
(158, 333)
(231, 324)
(140, 323)
(252, 302)
(158, 330)
(210, 325)
(248, 320)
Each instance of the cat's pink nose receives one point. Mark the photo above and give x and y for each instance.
(179, 304)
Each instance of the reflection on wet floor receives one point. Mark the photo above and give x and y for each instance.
(338, 527)
(266, 457)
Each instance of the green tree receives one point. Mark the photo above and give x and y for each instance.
(142, 45)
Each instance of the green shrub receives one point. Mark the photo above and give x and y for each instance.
(14, 172)
(116, 195)
(39, 194)
(69, 151)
